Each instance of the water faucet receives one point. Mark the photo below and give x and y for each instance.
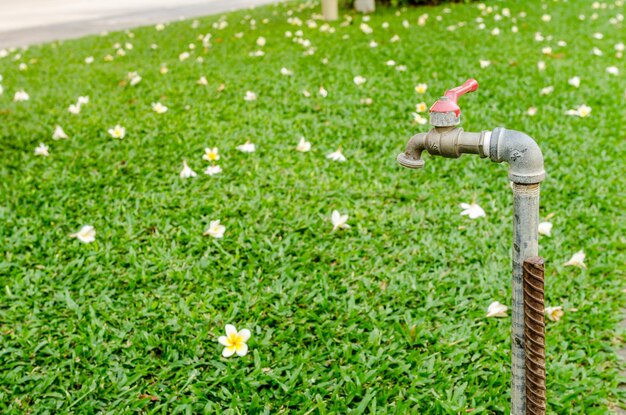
(526, 171)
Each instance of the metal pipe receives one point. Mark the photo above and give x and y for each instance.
(535, 336)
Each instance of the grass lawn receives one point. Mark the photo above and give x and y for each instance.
(387, 316)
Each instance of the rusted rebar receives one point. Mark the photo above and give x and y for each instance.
(534, 330)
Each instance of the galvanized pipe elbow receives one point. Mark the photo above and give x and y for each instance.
(412, 157)
(521, 152)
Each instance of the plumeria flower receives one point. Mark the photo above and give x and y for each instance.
(395, 39)
(495, 32)
(613, 70)
(401, 68)
(391, 63)
(532, 111)
(186, 172)
(421, 107)
(303, 146)
(577, 260)
(250, 96)
(306, 93)
(159, 108)
(367, 101)
(215, 229)
(545, 228)
(74, 108)
(21, 95)
(575, 82)
(286, 72)
(339, 220)
(134, 78)
(261, 41)
(373, 44)
(541, 66)
(86, 234)
(42, 150)
(213, 170)
(211, 154)
(421, 88)
(336, 155)
(248, 147)
(58, 133)
(597, 51)
(163, 70)
(547, 90)
(202, 81)
(418, 119)
(89, 60)
(234, 341)
(359, 80)
(83, 100)
(117, 132)
(323, 92)
(184, 56)
(496, 309)
(484, 63)
(582, 111)
(546, 17)
(472, 210)
(554, 313)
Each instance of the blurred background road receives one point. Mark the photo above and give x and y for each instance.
(24, 22)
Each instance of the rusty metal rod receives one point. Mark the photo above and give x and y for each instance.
(534, 330)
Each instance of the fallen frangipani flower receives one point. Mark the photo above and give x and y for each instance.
(336, 155)
(42, 150)
(21, 95)
(184, 56)
(545, 228)
(554, 313)
(547, 90)
(234, 341)
(484, 63)
(74, 108)
(202, 81)
(367, 101)
(261, 41)
(212, 170)
(472, 210)
(421, 107)
(303, 146)
(248, 147)
(575, 82)
(496, 309)
(532, 111)
(134, 78)
(211, 154)
(159, 108)
(117, 132)
(86, 234)
(186, 172)
(359, 80)
(421, 88)
(89, 60)
(323, 92)
(58, 133)
(250, 96)
(286, 72)
(417, 118)
(339, 221)
(577, 260)
(613, 70)
(215, 229)
(582, 111)
(82, 100)
(541, 66)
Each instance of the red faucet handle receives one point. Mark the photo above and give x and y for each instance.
(470, 85)
(448, 103)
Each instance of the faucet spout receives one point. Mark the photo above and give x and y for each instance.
(412, 157)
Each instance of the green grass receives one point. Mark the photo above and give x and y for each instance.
(384, 317)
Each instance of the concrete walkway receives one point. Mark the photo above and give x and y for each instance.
(25, 22)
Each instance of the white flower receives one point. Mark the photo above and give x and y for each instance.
(367, 101)
(619, 47)
(575, 82)
(336, 156)
(577, 260)
(546, 17)
(541, 65)
(117, 132)
(1, 89)
(395, 39)
(359, 80)
(472, 210)
(373, 44)
(83, 100)
(303, 146)
(260, 41)
(21, 96)
(234, 342)
(257, 54)
(417, 118)
(211, 154)
(89, 60)
(250, 96)
(202, 81)
(186, 172)
(495, 32)
(421, 88)
(554, 313)
(547, 90)
(401, 68)
(323, 92)
(306, 93)
(598, 36)
(613, 70)
(496, 309)
(159, 108)
(596, 51)
(74, 108)
(545, 228)
(365, 28)
(531, 111)
(58, 133)
(582, 111)
(390, 63)
(215, 229)
(213, 170)
(42, 150)
(484, 64)
(421, 107)
(183, 56)
(286, 72)
(134, 78)
(86, 234)
(248, 147)
(547, 50)
(339, 220)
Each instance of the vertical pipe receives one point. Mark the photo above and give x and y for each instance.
(330, 9)
(535, 336)
(525, 235)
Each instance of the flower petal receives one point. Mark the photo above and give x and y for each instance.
(242, 349)
(228, 351)
(245, 335)
(223, 340)
(231, 330)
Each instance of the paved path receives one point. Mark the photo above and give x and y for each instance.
(24, 22)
